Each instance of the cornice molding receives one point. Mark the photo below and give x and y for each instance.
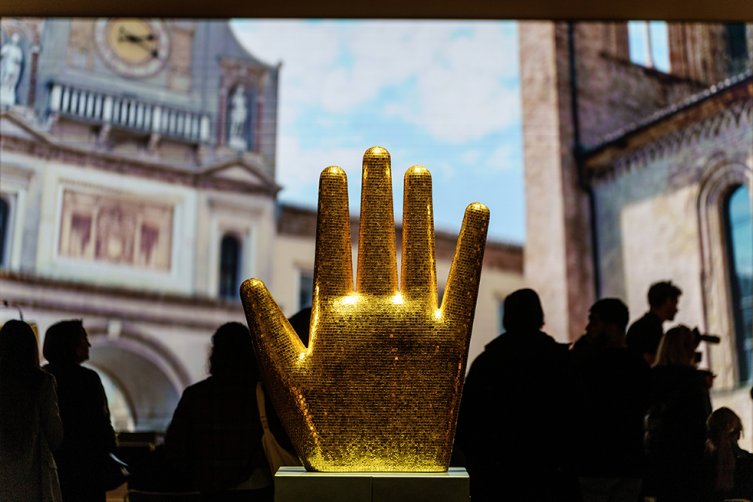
(44, 146)
(169, 316)
(619, 158)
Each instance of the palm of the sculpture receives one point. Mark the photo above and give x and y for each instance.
(377, 392)
(395, 378)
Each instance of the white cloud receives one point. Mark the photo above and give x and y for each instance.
(300, 167)
(505, 156)
(462, 73)
(442, 94)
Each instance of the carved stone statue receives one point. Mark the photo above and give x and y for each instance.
(11, 59)
(238, 115)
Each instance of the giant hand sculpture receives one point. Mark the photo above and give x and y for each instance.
(379, 385)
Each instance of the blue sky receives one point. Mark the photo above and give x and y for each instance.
(443, 94)
(649, 38)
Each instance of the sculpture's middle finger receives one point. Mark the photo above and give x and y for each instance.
(377, 265)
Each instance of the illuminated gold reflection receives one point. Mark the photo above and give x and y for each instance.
(379, 385)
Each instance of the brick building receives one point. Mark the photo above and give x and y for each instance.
(635, 175)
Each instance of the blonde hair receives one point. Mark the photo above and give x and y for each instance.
(677, 348)
(724, 429)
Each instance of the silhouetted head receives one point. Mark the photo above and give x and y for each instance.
(677, 348)
(724, 428)
(66, 342)
(724, 425)
(19, 353)
(523, 311)
(301, 322)
(663, 298)
(611, 311)
(232, 352)
(607, 320)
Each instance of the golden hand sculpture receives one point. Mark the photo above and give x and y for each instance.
(379, 385)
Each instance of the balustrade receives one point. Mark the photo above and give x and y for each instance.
(129, 113)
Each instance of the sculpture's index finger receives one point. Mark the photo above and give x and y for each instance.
(377, 264)
(333, 269)
(459, 302)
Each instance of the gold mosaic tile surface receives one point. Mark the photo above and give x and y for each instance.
(378, 387)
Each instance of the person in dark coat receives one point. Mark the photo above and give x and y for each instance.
(507, 436)
(89, 436)
(676, 422)
(729, 467)
(644, 335)
(612, 395)
(214, 439)
(30, 425)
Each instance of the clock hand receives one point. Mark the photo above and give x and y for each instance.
(141, 41)
(128, 37)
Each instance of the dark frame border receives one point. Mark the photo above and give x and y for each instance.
(671, 10)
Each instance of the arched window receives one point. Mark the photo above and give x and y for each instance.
(230, 267)
(4, 212)
(739, 237)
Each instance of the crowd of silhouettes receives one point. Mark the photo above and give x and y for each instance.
(620, 415)
(56, 434)
(617, 416)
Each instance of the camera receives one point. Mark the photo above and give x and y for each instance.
(699, 337)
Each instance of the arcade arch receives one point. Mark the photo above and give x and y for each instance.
(147, 380)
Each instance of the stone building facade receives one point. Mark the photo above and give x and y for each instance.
(137, 190)
(126, 199)
(635, 175)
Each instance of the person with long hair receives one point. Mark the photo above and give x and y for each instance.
(676, 421)
(730, 468)
(89, 436)
(214, 441)
(30, 425)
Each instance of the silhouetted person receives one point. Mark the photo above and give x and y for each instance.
(214, 438)
(89, 436)
(644, 335)
(507, 436)
(676, 422)
(301, 321)
(30, 426)
(729, 468)
(612, 392)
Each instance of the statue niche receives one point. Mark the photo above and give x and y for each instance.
(11, 65)
(238, 119)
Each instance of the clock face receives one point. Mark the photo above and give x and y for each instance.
(133, 47)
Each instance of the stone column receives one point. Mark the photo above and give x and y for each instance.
(557, 249)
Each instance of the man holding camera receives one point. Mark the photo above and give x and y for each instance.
(644, 335)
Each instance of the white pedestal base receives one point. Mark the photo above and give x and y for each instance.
(295, 484)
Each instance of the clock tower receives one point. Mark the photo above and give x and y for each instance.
(180, 91)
